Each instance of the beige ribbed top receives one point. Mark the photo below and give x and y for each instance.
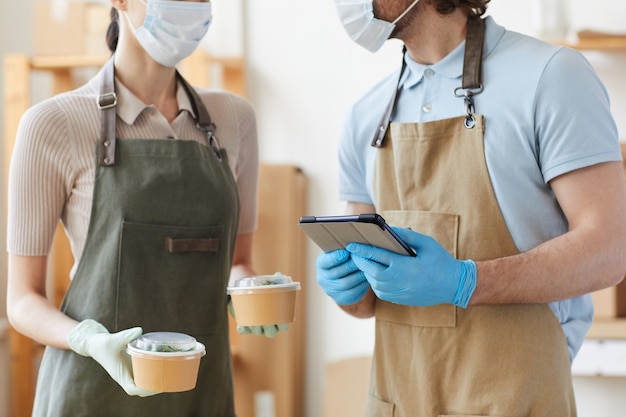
(53, 162)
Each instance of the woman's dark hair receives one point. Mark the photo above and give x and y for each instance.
(473, 7)
(113, 32)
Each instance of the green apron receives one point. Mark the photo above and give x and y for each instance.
(158, 255)
(491, 360)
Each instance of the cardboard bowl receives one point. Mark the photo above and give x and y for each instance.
(264, 300)
(166, 371)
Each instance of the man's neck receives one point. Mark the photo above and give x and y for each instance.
(431, 37)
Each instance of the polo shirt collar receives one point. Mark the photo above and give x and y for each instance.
(129, 107)
(451, 66)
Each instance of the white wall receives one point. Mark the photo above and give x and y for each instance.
(304, 72)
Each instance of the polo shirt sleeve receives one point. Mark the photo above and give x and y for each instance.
(574, 125)
(352, 164)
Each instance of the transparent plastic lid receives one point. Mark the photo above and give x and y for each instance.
(263, 282)
(165, 342)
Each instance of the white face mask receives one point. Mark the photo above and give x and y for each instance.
(357, 18)
(172, 30)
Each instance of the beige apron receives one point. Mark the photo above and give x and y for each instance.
(506, 360)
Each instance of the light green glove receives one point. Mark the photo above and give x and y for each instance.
(270, 330)
(93, 340)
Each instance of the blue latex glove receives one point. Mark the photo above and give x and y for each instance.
(270, 330)
(432, 277)
(340, 278)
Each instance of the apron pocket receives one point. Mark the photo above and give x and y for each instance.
(444, 227)
(171, 278)
(378, 408)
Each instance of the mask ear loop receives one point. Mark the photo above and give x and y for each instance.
(405, 12)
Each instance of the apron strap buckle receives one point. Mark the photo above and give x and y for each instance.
(107, 100)
(467, 94)
(209, 129)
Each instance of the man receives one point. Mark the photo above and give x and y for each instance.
(498, 161)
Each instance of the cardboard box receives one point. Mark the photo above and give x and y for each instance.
(71, 27)
(346, 387)
(610, 302)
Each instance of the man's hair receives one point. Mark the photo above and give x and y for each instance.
(473, 7)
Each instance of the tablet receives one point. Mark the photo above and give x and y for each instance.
(335, 232)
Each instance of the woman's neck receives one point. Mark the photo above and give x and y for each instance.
(152, 83)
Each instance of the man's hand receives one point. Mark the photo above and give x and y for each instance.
(340, 277)
(432, 277)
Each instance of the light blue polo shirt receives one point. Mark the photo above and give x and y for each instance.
(546, 113)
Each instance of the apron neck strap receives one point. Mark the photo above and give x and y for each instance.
(473, 53)
(107, 103)
(471, 82)
(203, 119)
(379, 137)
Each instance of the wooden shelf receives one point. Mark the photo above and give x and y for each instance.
(608, 329)
(603, 45)
(66, 62)
(596, 41)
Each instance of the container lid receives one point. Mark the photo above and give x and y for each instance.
(165, 342)
(260, 282)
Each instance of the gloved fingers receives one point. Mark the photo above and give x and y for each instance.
(355, 294)
(273, 329)
(343, 283)
(373, 253)
(412, 238)
(256, 330)
(371, 267)
(426, 247)
(122, 338)
(386, 289)
(330, 260)
(253, 330)
(128, 385)
(128, 382)
(270, 331)
(243, 330)
(134, 390)
(348, 290)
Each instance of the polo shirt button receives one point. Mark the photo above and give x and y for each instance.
(426, 108)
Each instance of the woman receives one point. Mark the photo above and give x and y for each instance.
(155, 218)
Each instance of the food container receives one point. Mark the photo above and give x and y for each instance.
(264, 299)
(166, 361)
